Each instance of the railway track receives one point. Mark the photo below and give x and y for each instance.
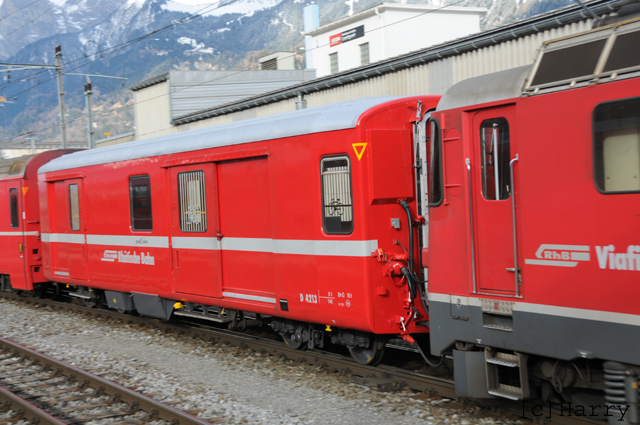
(38, 389)
(380, 378)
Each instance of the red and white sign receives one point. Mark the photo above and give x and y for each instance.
(334, 40)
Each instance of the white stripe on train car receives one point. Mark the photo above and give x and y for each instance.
(18, 233)
(339, 248)
(63, 237)
(249, 297)
(131, 241)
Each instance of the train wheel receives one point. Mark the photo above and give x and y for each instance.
(372, 354)
(289, 340)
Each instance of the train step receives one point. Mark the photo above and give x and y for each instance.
(506, 374)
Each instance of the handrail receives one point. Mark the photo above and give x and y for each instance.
(515, 237)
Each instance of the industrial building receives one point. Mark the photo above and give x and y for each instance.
(431, 70)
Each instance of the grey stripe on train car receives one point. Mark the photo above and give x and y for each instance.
(589, 338)
(336, 116)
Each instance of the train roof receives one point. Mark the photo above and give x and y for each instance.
(485, 88)
(14, 167)
(336, 116)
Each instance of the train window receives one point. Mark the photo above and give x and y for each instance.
(193, 201)
(616, 138)
(74, 207)
(495, 155)
(436, 183)
(13, 206)
(140, 200)
(337, 204)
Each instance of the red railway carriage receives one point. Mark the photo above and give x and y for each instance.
(20, 250)
(294, 216)
(534, 224)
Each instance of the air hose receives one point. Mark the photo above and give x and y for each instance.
(426, 359)
(412, 279)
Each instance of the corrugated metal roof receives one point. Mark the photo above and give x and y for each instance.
(331, 117)
(193, 91)
(160, 78)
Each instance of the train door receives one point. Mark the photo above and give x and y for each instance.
(195, 227)
(245, 221)
(14, 260)
(494, 150)
(68, 237)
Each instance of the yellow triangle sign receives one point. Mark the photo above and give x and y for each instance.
(362, 147)
(24, 191)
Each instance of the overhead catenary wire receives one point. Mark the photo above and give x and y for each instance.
(186, 19)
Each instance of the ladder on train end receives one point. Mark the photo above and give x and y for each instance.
(503, 371)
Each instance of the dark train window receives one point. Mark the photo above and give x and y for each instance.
(140, 199)
(624, 53)
(436, 183)
(74, 207)
(337, 203)
(616, 139)
(569, 63)
(13, 206)
(193, 201)
(495, 155)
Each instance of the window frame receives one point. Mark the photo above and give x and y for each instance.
(131, 217)
(204, 201)
(436, 137)
(322, 206)
(594, 148)
(331, 56)
(367, 47)
(11, 208)
(71, 207)
(499, 120)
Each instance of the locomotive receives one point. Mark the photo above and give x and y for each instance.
(500, 220)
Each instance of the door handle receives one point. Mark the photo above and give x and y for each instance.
(21, 248)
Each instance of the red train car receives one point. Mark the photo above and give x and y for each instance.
(295, 217)
(20, 250)
(534, 223)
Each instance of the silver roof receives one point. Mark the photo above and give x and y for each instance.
(336, 116)
(486, 88)
(8, 167)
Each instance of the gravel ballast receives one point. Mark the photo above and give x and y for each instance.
(222, 383)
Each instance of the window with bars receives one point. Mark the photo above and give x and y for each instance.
(74, 207)
(13, 207)
(364, 54)
(140, 200)
(193, 201)
(337, 204)
(333, 60)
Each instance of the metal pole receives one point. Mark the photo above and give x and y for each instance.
(87, 93)
(63, 118)
(33, 144)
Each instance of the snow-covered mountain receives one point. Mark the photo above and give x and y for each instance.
(139, 38)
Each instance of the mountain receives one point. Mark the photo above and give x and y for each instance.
(140, 38)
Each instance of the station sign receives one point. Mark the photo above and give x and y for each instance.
(348, 35)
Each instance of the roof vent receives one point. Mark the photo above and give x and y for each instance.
(578, 60)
